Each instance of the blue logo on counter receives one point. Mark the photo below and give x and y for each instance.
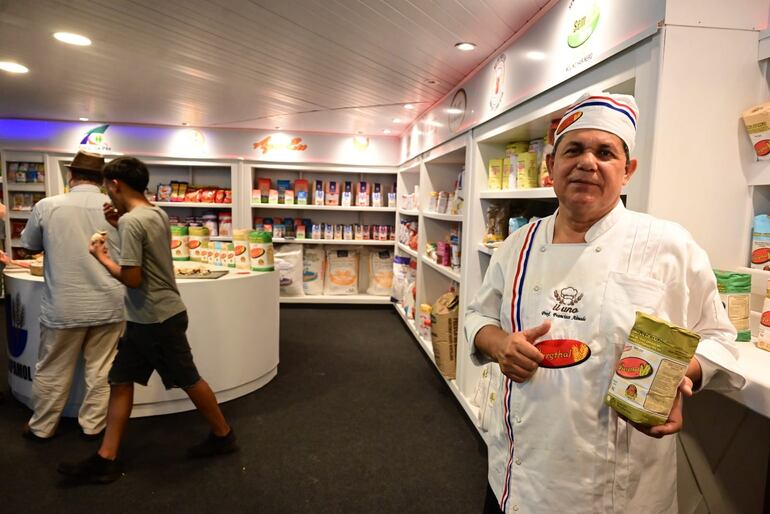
(14, 323)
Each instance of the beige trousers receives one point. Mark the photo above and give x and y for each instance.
(57, 359)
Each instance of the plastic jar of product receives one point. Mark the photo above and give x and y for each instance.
(210, 222)
(180, 251)
(433, 201)
(197, 242)
(225, 223)
(261, 251)
(241, 249)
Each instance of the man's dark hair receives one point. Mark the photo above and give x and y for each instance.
(129, 170)
(86, 176)
(625, 149)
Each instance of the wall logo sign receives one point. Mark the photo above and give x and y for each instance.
(95, 141)
(585, 18)
(498, 69)
(456, 110)
(14, 324)
(268, 144)
(361, 143)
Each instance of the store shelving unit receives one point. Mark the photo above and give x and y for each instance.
(330, 214)
(17, 218)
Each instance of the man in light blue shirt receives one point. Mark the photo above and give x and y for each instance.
(82, 305)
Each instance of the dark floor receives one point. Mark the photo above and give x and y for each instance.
(357, 421)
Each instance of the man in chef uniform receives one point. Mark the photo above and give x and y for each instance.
(575, 279)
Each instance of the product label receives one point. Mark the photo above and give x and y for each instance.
(761, 254)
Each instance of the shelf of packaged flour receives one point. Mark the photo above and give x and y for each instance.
(337, 299)
(407, 250)
(443, 217)
(535, 192)
(445, 270)
(349, 242)
(36, 187)
(197, 205)
(321, 207)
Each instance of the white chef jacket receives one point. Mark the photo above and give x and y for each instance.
(554, 446)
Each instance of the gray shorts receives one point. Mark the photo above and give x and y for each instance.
(160, 347)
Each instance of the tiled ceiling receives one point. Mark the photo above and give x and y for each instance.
(315, 65)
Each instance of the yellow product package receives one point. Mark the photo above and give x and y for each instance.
(647, 376)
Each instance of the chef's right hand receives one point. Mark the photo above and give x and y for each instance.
(111, 214)
(518, 357)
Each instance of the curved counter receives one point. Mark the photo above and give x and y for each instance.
(233, 333)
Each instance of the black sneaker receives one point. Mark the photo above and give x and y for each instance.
(95, 469)
(214, 445)
(29, 435)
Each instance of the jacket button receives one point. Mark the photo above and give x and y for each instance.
(518, 462)
(598, 249)
(542, 248)
(516, 508)
(536, 288)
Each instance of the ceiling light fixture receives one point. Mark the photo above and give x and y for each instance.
(535, 55)
(454, 110)
(386, 131)
(13, 67)
(431, 82)
(83, 119)
(397, 120)
(408, 106)
(465, 46)
(433, 123)
(72, 39)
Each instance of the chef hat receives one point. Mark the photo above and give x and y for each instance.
(616, 114)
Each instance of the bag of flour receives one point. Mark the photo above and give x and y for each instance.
(313, 270)
(341, 272)
(380, 273)
(652, 365)
(288, 263)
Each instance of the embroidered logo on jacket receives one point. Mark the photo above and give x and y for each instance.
(563, 353)
(566, 306)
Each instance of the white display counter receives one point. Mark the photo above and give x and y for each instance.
(233, 333)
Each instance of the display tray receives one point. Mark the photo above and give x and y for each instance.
(210, 275)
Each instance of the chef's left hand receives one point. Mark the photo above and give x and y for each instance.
(674, 422)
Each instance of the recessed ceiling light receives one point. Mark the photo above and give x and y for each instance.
(397, 120)
(465, 46)
(433, 123)
(13, 67)
(408, 106)
(386, 131)
(83, 119)
(72, 39)
(535, 55)
(431, 82)
(453, 110)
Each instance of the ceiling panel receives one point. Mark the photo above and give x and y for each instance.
(321, 65)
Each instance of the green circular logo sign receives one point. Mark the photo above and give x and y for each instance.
(584, 25)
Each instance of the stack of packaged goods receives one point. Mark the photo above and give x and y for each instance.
(448, 202)
(330, 193)
(26, 172)
(411, 201)
(447, 252)
(178, 191)
(24, 201)
(524, 165)
(403, 292)
(250, 250)
(291, 228)
(407, 233)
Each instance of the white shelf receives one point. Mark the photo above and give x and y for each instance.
(321, 207)
(535, 192)
(19, 214)
(408, 250)
(198, 205)
(445, 270)
(485, 249)
(317, 168)
(443, 217)
(37, 187)
(351, 242)
(426, 346)
(754, 362)
(407, 212)
(344, 299)
(759, 279)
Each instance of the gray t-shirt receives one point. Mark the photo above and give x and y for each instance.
(145, 239)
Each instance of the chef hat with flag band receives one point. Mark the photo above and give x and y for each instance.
(616, 114)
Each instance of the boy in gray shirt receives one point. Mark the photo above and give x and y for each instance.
(156, 317)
